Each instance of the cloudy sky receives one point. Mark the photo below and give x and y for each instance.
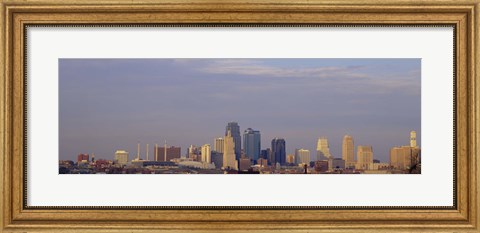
(111, 104)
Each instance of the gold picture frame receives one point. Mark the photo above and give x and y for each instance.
(464, 15)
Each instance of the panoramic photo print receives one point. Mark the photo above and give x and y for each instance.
(240, 116)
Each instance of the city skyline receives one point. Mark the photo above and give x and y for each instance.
(405, 159)
(103, 107)
(320, 153)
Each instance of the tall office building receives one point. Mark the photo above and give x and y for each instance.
(279, 154)
(251, 143)
(234, 129)
(348, 153)
(302, 156)
(218, 145)
(400, 157)
(364, 157)
(265, 154)
(323, 150)
(229, 160)
(206, 153)
(167, 153)
(121, 157)
(413, 139)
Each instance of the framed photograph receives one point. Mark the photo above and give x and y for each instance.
(295, 116)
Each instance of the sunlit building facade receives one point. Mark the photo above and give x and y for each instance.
(229, 160)
(323, 150)
(168, 153)
(364, 157)
(404, 157)
(413, 139)
(234, 129)
(302, 156)
(121, 157)
(290, 159)
(206, 153)
(218, 145)
(348, 153)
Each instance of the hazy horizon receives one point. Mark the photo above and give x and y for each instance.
(112, 104)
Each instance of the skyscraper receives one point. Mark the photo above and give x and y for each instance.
(251, 143)
(265, 154)
(234, 129)
(218, 145)
(364, 157)
(302, 156)
(323, 151)
(121, 157)
(279, 154)
(348, 153)
(206, 153)
(229, 160)
(413, 139)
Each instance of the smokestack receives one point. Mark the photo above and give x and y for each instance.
(156, 152)
(165, 151)
(138, 151)
(147, 151)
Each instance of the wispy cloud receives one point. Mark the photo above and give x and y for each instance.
(257, 68)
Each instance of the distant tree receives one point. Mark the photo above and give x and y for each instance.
(416, 165)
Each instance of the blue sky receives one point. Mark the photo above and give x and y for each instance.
(111, 104)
